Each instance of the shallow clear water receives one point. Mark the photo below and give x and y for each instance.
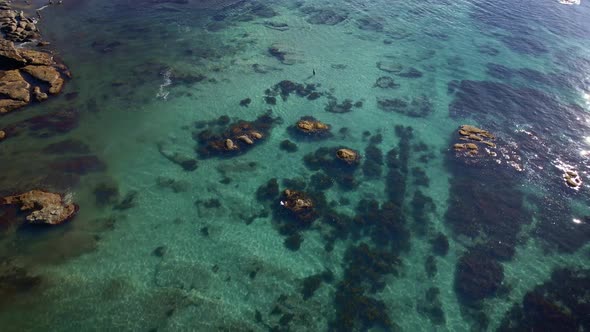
(200, 250)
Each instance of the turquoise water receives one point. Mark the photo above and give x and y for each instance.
(200, 250)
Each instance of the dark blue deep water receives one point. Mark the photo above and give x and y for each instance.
(179, 230)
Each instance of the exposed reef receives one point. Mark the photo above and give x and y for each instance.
(28, 75)
(235, 138)
(309, 127)
(47, 208)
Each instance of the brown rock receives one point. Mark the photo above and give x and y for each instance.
(312, 126)
(348, 155)
(14, 89)
(46, 74)
(33, 57)
(39, 95)
(49, 208)
(9, 56)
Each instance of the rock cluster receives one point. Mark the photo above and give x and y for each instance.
(27, 75)
(235, 138)
(475, 137)
(310, 128)
(15, 25)
(48, 208)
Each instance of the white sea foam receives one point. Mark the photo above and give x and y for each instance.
(162, 93)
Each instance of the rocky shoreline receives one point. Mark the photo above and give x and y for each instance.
(29, 75)
(26, 75)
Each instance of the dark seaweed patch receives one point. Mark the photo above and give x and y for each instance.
(477, 277)
(235, 138)
(560, 304)
(288, 146)
(418, 106)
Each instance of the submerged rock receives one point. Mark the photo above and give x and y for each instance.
(285, 54)
(386, 82)
(417, 107)
(325, 16)
(48, 208)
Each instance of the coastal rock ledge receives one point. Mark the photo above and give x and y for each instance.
(48, 208)
(27, 75)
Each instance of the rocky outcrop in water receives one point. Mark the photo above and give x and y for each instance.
(349, 156)
(309, 127)
(235, 138)
(27, 75)
(15, 25)
(299, 204)
(47, 208)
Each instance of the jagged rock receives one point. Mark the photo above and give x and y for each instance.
(16, 26)
(48, 208)
(348, 155)
(15, 90)
(311, 126)
(47, 74)
(390, 67)
(475, 136)
(10, 58)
